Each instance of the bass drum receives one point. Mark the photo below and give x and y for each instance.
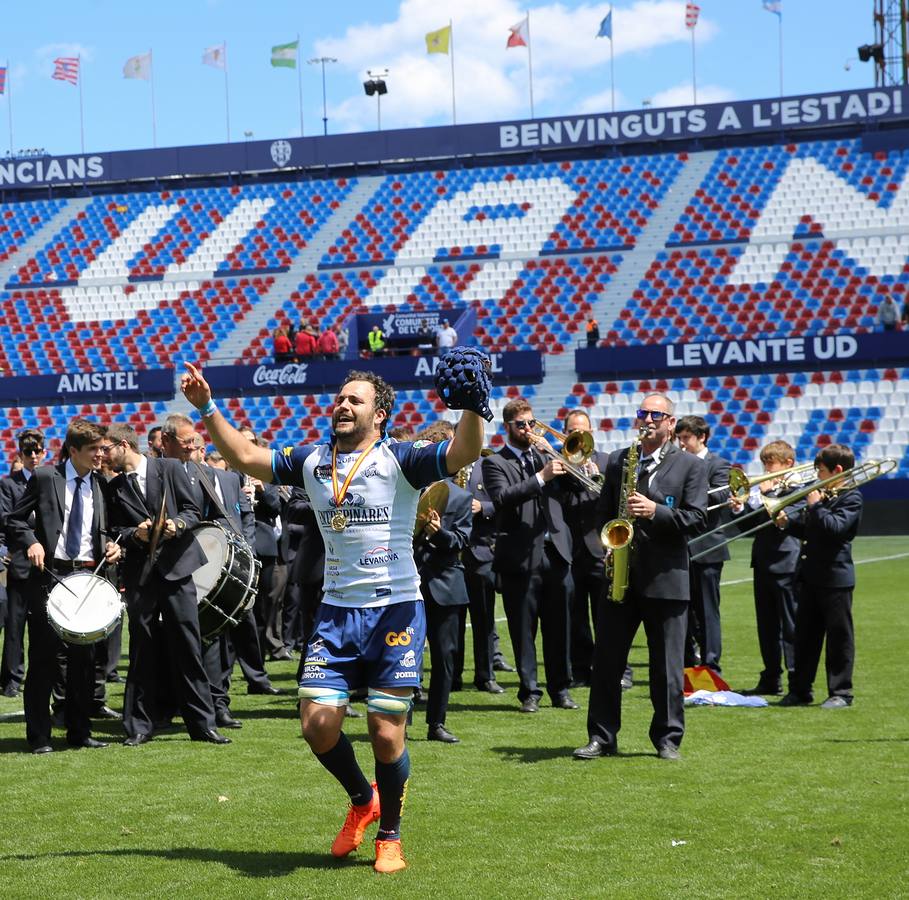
(84, 608)
(226, 584)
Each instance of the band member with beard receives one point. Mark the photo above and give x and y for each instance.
(147, 493)
(365, 490)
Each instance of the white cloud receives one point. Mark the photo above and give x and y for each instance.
(492, 82)
(681, 94)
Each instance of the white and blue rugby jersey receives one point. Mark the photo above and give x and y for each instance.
(370, 562)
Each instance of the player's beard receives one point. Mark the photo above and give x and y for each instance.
(351, 438)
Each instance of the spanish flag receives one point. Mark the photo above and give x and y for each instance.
(437, 41)
(703, 678)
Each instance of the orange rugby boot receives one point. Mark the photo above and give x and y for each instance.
(389, 857)
(359, 818)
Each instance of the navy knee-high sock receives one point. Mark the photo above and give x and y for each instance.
(342, 763)
(391, 780)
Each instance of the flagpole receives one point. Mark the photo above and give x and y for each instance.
(780, 17)
(9, 106)
(611, 62)
(300, 84)
(81, 117)
(530, 64)
(694, 81)
(151, 66)
(226, 94)
(454, 112)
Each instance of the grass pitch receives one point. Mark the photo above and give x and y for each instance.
(774, 802)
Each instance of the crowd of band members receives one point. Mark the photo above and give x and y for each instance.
(515, 523)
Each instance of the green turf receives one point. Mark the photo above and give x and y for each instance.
(766, 803)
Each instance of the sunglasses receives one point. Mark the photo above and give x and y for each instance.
(523, 424)
(655, 415)
(36, 451)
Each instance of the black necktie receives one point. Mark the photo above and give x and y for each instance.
(647, 467)
(74, 526)
(527, 460)
(133, 479)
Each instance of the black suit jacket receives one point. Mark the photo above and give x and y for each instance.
(774, 550)
(717, 476)
(38, 515)
(525, 511)
(12, 487)
(178, 557)
(235, 503)
(267, 509)
(438, 558)
(659, 560)
(478, 553)
(827, 530)
(581, 515)
(305, 540)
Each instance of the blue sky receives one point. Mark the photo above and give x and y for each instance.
(736, 56)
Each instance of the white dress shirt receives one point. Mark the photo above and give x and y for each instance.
(88, 510)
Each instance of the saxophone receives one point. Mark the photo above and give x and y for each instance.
(617, 534)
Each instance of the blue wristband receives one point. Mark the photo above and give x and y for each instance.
(208, 410)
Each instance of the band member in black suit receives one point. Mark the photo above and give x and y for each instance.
(588, 571)
(693, 433)
(668, 508)
(437, 552)
(774, 557)
(826, 579)
(12, 668)
(480, 581)
(162, 586)
(307, 568)
(532, 556)
(59, 524)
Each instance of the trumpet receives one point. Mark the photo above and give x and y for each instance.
(577, 448)
(848, 480)
(740, 483)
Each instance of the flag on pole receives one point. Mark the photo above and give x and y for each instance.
(517, 36)
(216, 57)
(691, 14)
(138, 67)
(2, 79)
(606, 26)
(66, 68)
(438, 41)
(285, 55)
(774, 6)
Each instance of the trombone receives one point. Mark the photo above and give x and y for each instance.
(843, 481)
(577, 447)
(740, 483)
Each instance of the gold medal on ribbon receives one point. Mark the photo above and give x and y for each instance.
(340, 521)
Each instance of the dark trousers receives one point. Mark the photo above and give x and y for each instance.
(176, 601)
(665, 622)
(540, 597)
(704, 579)
(44, 645)
(775, 609)
(824, 612)
(589, 578)
(481, 591)
(107, 657)
(12, 667)
(269, 603)
(442, 631)
(216, 661)
(243, 647)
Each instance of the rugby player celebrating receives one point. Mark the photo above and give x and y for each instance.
(371, 627)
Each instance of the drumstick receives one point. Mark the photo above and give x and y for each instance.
(94, 583)
(60, 580)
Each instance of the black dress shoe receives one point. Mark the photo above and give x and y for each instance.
(11, 691)
(501, 666)
(114, 678)
(137, 740)
(667, 751)
(43, 748)
(88, 742)
(226, 720)
(564, 702)
(105, 712)
(491, 687)
(58, 720)
(595, 749)
(764, 689)
(530, 705)
(210, 737)
(271, 690)
(282, 656)
(792, 699)
(438, 733)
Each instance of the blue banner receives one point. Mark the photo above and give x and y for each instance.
(839, 351)
(407, 329)
(524, 366)
(807, 112)
(87, 387)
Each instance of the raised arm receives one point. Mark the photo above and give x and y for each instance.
(466, 444)
(240, 453)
